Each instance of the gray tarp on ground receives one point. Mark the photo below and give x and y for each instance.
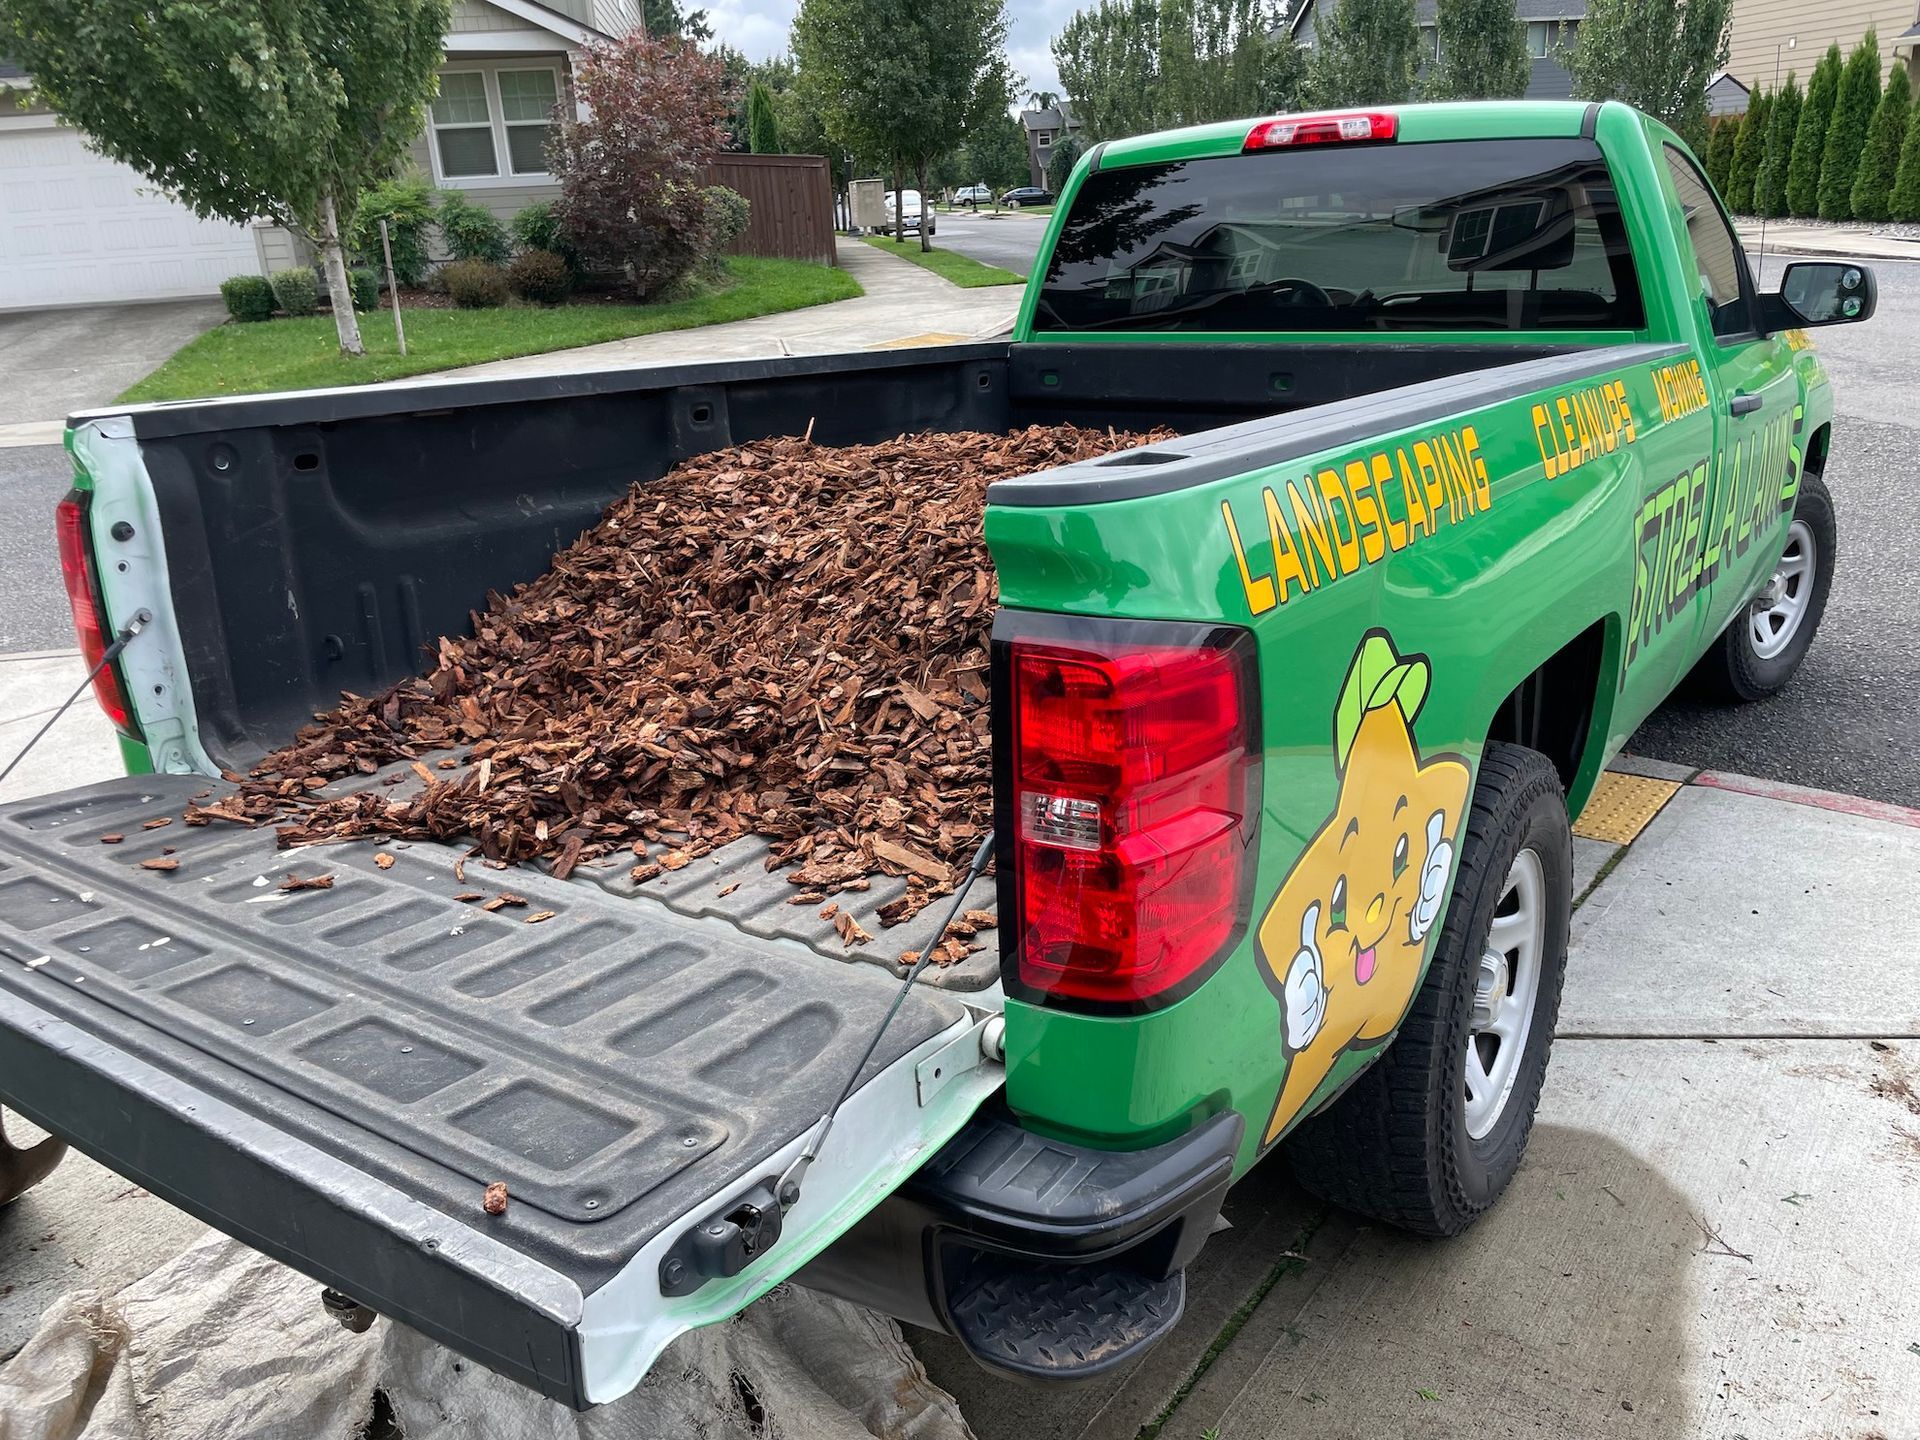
(221, 1343)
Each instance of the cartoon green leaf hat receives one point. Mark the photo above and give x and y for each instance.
(1379, 676)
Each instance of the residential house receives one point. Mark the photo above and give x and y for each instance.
(1045, 129)
(1726, 95)
(77, 228)
(1551, 24)
(1769, 38)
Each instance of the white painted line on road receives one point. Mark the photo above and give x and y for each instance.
(32, 432)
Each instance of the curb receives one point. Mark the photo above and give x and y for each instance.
(1833, 800)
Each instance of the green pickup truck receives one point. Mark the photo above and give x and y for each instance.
(1485, 440)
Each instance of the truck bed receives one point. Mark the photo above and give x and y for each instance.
(358, 1063)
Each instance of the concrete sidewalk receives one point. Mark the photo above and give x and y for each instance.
(1712, 1234)
(1810, 237)
(903, 304)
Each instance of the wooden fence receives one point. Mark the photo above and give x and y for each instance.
(791, 204)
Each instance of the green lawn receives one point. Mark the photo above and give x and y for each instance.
(947, 264)
(1035, 210)
(236, 359)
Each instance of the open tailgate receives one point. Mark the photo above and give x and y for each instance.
(335, 1075)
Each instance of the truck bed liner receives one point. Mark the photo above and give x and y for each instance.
(614, 1065)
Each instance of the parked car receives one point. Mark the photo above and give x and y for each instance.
(918, 212)
(1026, 195)
(1290, 714)
(973, 195)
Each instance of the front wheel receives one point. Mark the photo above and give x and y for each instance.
(1762, 646)
(1431, 1134)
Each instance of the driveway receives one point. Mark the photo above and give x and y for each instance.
(56, 361)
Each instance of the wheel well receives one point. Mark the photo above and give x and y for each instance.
(1816, 460)
(1552, 709)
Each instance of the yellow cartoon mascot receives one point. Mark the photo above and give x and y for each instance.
(1343, 942)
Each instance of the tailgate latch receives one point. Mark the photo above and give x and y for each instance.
(724, 1243)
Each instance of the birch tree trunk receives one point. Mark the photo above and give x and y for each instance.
(334, 262)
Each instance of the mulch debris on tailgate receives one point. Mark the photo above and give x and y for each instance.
(782, 639)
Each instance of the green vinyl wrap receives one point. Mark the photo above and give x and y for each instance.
(1486, 594)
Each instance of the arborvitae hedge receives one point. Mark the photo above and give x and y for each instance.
(1873, 186)
(1747, 148)
(1770, 185)
(1720, 137)
(1810, 136)
(1906, 180)
(1847, 134)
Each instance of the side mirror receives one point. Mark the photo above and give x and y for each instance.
(1820, 292)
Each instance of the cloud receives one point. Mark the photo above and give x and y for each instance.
(758, 28)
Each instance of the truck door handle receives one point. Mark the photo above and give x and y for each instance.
(1744, 404)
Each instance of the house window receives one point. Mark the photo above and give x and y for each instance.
(1540, 38)
(463, 127)
(1043, 138)
(527, 100)
(1430, 42)
(493, 124)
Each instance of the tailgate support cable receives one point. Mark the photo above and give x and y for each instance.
(787, 1188)
(141, 619)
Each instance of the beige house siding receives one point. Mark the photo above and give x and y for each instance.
(1762, 27)
(502, 200)
(475, 15)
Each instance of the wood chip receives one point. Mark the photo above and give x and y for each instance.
(494, 1201)
(726, 890)
(640, 874)
(160, 863)
(539, 915)
(111, 839)
(157, 822)
(383, 860)
(308, 882)
(467, 897)
(503, 900)
(850, 932)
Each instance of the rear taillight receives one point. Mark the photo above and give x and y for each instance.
(89, 621)
(1129, 804)
(1353, 127)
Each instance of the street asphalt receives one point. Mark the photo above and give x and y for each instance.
(1847, 723)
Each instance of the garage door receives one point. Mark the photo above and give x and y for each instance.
(77, 228)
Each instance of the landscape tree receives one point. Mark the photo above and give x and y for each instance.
(664, 20)
(1810, 136)
(1366, 53)
(942, 74)
(631, 166)
(1060, 163)
(1657, 54)
(1770, 184)
(1749, 144)
(1137, 65)
(1880, 161)
(1906, 178)
(1042, 99)
(287, 110)
(1719, 156)
(1483, 53)
(1847, 133)
(995, 154)
(763, 131)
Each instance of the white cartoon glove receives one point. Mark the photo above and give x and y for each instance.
(1433, 877)
(1306, 985)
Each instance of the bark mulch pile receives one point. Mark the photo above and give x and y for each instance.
(782, 639)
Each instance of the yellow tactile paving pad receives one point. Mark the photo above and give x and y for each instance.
(931, 337)
(1621, 806)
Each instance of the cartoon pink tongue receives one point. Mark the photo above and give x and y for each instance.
(1363, 965)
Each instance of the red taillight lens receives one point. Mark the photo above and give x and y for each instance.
(1354, 127)
(89, 624)
(1134, 791)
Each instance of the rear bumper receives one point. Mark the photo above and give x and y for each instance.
(1041, 1213)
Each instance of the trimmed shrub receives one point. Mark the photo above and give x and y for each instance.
(296, 289)
(1749, 143)
(538, 227)
(471, 231)
(475, 284)
(1770, 185)
(1873, 186)
(366, 288)
(540, 276)
(1721, 134)
(1847, 133)
(406, 205)
(1906, 179)
(248, 297)
(1810, 136)
(727, 214)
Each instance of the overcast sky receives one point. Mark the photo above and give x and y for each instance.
(759, 28)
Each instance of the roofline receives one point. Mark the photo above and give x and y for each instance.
(548, 19)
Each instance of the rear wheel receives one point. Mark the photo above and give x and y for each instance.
(1431, 1134)
(1762, 646)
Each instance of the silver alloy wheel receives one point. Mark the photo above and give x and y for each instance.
(1505, 989)
(1774, 617)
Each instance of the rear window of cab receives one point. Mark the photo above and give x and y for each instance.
(1484, 235)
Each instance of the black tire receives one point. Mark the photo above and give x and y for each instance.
(1732, 671)
(1395, 1145)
